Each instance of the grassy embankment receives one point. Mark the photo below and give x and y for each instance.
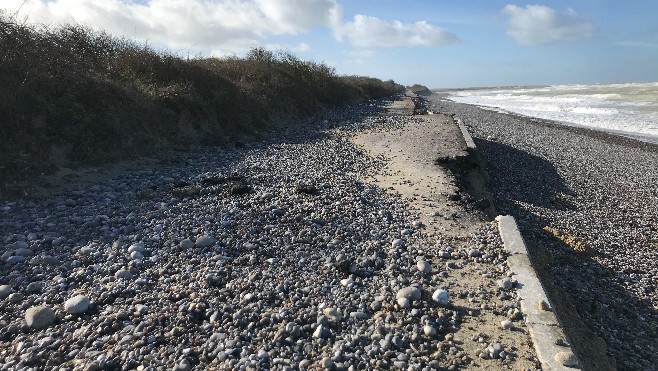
(72, 96)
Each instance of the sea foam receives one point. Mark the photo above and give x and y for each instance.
(625, 109)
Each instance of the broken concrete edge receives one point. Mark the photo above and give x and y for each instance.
(547, 334)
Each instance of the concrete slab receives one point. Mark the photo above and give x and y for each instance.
(404, 107)
(413, 173)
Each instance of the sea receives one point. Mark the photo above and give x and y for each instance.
(624, 109)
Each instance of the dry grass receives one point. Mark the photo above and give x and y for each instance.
(71, 95)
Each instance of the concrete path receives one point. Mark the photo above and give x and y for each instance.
(412, 172)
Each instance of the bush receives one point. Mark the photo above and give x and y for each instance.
(72, 95)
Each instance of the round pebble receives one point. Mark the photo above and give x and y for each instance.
(39, 317)
(423, 266)
(205, 241)
(77, 304)
(441, 296)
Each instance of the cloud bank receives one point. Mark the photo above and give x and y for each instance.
(183, 23)
(226, 26)
(541, 25)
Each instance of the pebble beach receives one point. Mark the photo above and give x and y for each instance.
(587, 202)
(279, 254)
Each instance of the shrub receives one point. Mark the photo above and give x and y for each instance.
(71, 95)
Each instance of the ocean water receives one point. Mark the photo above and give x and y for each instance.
(625, 109)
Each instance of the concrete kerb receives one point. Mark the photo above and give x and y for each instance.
(547, 334)
(470, 144)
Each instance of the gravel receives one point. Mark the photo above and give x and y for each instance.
(589, 201)
(278, 254)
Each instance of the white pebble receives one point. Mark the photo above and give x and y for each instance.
(441, 296)
(423, 266)
(77, 304)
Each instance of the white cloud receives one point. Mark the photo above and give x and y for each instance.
(541, 25)
(224, 26)
(365, 31)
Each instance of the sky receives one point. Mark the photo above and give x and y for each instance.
(437, 43)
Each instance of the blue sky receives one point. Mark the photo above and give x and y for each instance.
(439, 43)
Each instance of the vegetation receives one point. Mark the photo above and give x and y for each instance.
(71, 95)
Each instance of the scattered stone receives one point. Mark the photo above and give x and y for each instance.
(239, 188)
(139, 247)
(278, 260)
(308, 189)
(34, 287)
(39, 317)
(321, 332)
(505, 283)
(397, 243)
(347, 281)
(77, 304)
(205, 241)
(136, 255)
(5, 290)
(409, 293)
(123, 274)
(15, 297)
(327, 363)
(567, 358)
(423, 266)
(430, 331)
(506, 324)
(544, 306)
(404, 302)
(15, 259)
(333, 314)
(441, 296)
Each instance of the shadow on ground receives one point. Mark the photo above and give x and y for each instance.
(609, 327)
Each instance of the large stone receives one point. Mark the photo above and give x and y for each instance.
(205, 241)
(409, 293)
(186, 244)
(77, 304)
(5, 290)
(39, 317)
